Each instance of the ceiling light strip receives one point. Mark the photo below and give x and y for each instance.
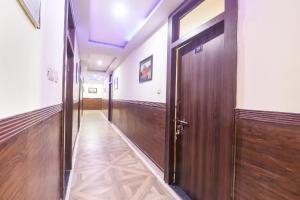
(108, 44)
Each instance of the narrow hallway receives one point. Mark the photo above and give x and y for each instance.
(149, 100)
(106, 167)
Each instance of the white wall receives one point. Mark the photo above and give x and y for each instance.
(268, 52)
(100, 88)
(269, 55)
(106, 89)
(128, 71)
(268, 59)
(25, 56)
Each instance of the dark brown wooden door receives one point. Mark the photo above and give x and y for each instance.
(69, 112)
(200, 116)
(110, 104)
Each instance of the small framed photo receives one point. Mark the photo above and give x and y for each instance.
(32, 9)
(116, 83)
(93, 90)
(146, 70)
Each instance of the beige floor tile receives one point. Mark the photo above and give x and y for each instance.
(107, 169)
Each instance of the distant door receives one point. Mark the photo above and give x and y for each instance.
(110, 102)
(80, 97)
(200, 116)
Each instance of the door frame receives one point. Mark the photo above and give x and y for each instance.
(110, 103)
(66, 162)
(229, 18)
(80, 96)
(68, 109)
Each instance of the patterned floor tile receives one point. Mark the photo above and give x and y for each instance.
(107, 169)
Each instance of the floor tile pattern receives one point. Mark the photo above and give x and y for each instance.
(107, 169)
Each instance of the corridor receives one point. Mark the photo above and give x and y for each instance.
(149, 100)
(107, 168)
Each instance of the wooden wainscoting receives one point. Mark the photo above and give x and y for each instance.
(267, 155)
(30, 159)
(92, 104)
(144, 124)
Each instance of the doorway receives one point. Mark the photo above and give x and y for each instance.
(199, 118)
(69, 107)
(71, 98)
(201, 92)
(110, 102)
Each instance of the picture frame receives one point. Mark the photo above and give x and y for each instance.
(92, 90)
(116, 83)
(146, 70)
(32, 9)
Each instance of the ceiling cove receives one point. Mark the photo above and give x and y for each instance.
(122, 20)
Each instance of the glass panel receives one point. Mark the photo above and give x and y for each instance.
(204, 12)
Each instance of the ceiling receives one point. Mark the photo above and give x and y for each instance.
(94, 77)
(107, 31)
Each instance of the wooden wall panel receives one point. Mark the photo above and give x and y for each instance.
(267, 156)
(30, 160)
(92, 104)
(144, 124)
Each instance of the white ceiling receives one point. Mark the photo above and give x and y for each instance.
(96, 27)
(94, 77)
(122, 25)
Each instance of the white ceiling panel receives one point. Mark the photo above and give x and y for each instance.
(114, 23)
(99, 62)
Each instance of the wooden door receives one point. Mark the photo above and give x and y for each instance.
(110, 102)
(69, 112)
(200, 116)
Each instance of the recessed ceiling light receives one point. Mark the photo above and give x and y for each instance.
(119, 10)
(99, 62)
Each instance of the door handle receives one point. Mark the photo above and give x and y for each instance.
(182, 122)
(180, 127)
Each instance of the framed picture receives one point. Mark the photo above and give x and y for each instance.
(146, 70)
(32, 9)
(93, 90)
(116, 83)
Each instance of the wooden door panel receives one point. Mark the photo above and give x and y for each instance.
(199, 99)
(69, 114)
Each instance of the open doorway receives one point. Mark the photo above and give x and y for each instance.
(71, 98)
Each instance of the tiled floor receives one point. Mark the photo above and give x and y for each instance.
(106, 168)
